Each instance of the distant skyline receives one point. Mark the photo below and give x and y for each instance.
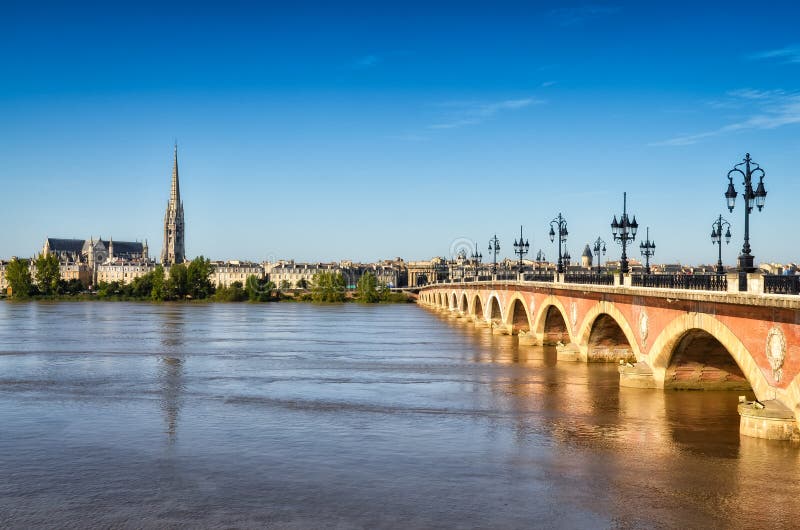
(365, 131)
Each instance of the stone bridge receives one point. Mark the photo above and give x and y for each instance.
(662, 338)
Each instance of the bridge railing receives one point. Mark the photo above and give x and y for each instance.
(697, 282)
(779, 284)
(538, 277)
(591, 278)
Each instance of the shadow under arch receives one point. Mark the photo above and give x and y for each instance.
(551, 325)
(495, 313)
(703, 344)
(517, 315)
(463, 306)
(453, 301)
(477, 307)
(606, 336)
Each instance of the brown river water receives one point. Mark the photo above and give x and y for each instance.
(300, 416)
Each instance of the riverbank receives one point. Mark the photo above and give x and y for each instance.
(291, 297)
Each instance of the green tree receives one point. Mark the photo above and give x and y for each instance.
(18, 276)
(367, 289)
(285, 285)
(158, 289)
(198, 278)
(234, 293)
(178, 283)
(47, 273)
(259, 290)
(328, 287)
(302, 283)
(142, 287)
(71, 287)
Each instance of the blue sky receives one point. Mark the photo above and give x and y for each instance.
(374, 130)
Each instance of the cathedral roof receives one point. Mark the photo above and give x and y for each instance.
(127, 247)
(64, 245)
(587, 252)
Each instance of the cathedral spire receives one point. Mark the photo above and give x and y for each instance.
(175, 192)
(173, 250)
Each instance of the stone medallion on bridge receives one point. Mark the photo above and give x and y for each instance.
(643, 327)
(573, 311)
(776, 352)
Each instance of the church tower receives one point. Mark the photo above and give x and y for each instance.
(173, 250)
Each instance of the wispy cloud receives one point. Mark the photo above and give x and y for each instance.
(789, 54)
(409, 137)
(472, 112)
(576, 16)
(547, 84)
(762, 109)
(367, 61)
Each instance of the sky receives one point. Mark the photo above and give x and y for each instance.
(366, 131)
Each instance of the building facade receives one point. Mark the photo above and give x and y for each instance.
(227, 272)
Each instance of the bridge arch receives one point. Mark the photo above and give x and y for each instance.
(700, 326)
(476, 309)
(494, 310)
(518, 315)
(463, 305)
(551, 324)
(606, 335)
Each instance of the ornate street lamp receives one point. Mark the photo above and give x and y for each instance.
(624, 231)
(599, 246)
(521, 248)
(540, 259)
(716, 238)
(648, 249)
(494, 248)
(561, 224)
(751, 198)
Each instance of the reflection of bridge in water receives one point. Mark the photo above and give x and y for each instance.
(663, 338)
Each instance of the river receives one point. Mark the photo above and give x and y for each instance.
(302, 416)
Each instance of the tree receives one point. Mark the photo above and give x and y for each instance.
(285, 285)
(302, 283)
(328, 287)
(18, 276)
(367, 289)
(142, 287)
(158, 289)
(178, 283)
(198, 278)
(234, 293)
(47, 273)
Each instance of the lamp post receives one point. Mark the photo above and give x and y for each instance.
(521, 248)
(561, 224)
(539, 259)
(624, 232)
(599, 246)
(751, 198)
(494, 248)
(648, 249)
(716, 238)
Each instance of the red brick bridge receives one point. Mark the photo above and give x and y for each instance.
(663, 338)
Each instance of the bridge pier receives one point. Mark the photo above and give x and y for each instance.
(638, 375)
(569, 353)
(770, 420)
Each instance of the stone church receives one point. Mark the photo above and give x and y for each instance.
(107, 260)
